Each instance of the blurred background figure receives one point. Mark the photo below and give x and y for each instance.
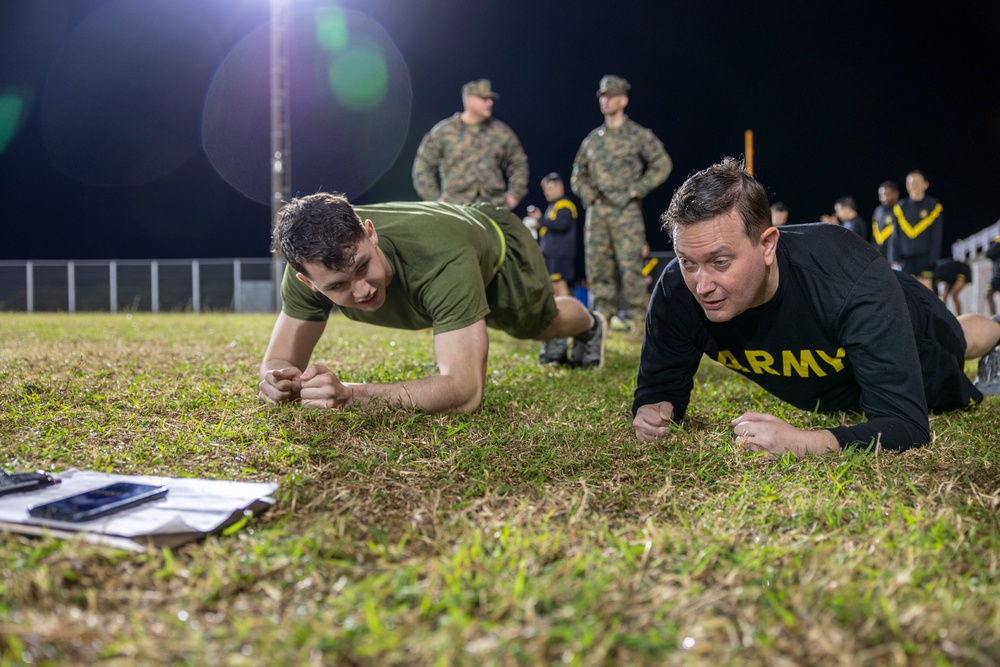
(558, 233)
(531, 221)
(651, 268)
(920, 227)
(993, 252)
(884, 218)
(617, 165)
(846, 210)
(954, 275)
(464, 158)
(779, 214)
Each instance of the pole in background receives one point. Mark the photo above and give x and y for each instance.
(281, 175)
(748, 151)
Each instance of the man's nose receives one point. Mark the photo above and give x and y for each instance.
(704, 283)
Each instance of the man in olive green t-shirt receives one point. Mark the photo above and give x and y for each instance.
(413, 265)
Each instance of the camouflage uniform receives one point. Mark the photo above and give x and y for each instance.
(612, 162)
(471, 159)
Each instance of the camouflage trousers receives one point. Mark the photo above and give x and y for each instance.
(613, 237)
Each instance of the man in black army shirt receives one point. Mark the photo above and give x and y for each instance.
(811, 313)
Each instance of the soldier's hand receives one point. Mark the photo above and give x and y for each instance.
(653, 421)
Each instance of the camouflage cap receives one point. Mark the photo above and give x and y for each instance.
(479, 88)
(613, 85)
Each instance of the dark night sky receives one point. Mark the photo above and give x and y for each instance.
(111, 109)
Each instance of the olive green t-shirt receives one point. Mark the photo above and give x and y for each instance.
(442, 257)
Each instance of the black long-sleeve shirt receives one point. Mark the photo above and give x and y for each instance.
(842, 332)
(919, 229)
(559, 224)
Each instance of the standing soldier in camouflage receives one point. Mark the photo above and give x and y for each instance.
(617, 165)
(462, 160)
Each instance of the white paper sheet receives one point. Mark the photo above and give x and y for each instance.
(192, 508)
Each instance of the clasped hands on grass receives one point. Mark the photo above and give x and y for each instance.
(754, 431)
(316, 386)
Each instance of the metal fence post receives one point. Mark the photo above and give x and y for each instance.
(154, 285)
(113, 285)
(71, 284)
(29, 275)
(237, 279)
(195, 286)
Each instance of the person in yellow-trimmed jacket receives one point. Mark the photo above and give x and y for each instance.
(916, 243)
(884, 218)
(557, 238)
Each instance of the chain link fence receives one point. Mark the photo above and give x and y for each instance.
(166, 285)
(245, 285)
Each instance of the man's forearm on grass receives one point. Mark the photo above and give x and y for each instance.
(437, 394)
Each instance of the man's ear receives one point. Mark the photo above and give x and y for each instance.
(305, 281)
(370, 232)
(769, 242)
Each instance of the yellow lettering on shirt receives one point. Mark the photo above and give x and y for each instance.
(801, 363)
(761, 362)
(802, 366)
(728, 359)
(835, 362)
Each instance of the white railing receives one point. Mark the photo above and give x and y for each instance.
(193, 285)
(968, 248)
(971, 250)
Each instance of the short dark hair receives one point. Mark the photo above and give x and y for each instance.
(320, 228)
(847, 201)
(890, 185)
(715, 191)
(917, 172)
(779, 206)
(554, 176)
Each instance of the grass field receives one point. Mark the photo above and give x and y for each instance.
(537, 531)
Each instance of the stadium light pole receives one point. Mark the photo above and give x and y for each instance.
(281, 173)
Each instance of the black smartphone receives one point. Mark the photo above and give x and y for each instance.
(99, 502)
(17, 482)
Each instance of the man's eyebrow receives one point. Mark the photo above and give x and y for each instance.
(715, 252)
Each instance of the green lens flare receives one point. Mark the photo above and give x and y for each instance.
(359, 77)
(332, 32)
(11, 107)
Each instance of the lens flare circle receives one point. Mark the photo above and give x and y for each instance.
(351, 101)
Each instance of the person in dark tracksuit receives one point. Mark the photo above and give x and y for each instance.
(919, 230)
(955, 275)
(884, 218)
(557, 238)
